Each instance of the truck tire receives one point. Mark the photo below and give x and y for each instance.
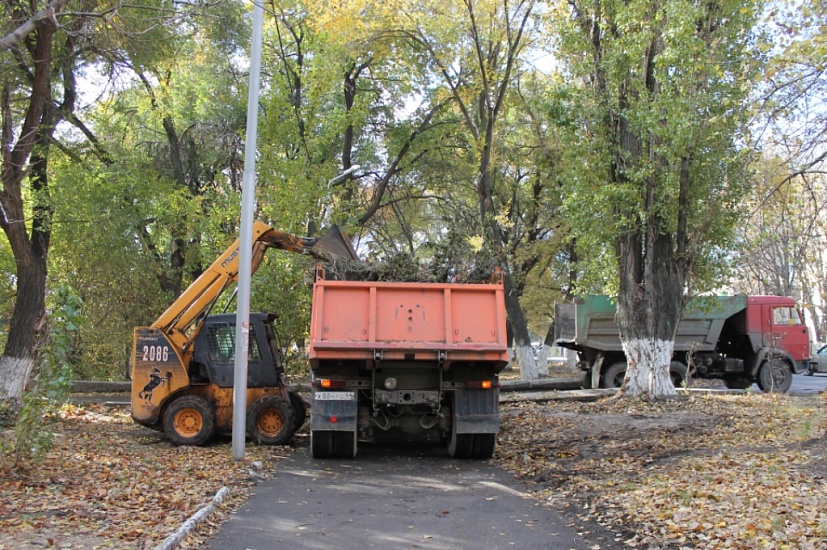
(299, 410)
(472, 445)
(189, 420)
(677, 371)
(332, 444)
(614, 375)
(775, 375)
(460, 445)
(270, 420)
(737, 383)
(484, 445)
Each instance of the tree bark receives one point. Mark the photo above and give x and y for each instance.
(30, 251)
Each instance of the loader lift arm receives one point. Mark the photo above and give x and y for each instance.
(199, 297)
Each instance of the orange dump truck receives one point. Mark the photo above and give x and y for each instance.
(406, 359)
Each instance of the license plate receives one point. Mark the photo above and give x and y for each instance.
(335, 395)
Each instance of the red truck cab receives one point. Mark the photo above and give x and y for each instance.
(780, 325)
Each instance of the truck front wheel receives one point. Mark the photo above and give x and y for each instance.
(775, 375)
(189, 420)
(270, 420)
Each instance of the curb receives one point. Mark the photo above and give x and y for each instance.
(540, 384)
(196, 520)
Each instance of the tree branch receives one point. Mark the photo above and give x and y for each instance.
(15, 37)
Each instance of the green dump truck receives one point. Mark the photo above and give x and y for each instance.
(738, 339)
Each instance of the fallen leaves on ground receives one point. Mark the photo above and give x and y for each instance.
(109, 483)
(704, 471)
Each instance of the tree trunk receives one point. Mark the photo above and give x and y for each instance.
(519, 329)
(649, 308)
(30, 252)
(27, 324)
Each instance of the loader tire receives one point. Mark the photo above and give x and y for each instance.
(189, 420)
(270, 420)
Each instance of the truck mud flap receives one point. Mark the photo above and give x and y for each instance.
(334, 411)
(477, 411)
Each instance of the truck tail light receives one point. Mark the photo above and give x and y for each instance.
(327, 383)
(480, 385)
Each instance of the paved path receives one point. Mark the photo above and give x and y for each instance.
(392, 497)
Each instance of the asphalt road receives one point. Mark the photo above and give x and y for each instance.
(393, 497)
(809, 384)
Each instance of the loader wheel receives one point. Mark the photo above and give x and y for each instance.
(775, 376)
(299, 410)
(270, 420)
(189, 420)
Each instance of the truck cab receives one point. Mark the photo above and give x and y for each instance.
(783, 327)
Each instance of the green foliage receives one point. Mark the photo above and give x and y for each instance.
(696, 111)
(49, 385)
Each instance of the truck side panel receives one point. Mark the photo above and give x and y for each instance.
(595, 323)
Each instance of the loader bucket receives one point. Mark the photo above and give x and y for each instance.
(335, 244)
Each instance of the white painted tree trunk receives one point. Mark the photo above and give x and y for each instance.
(14, 372)
(647, 369)
(542, 360)
(528, 366)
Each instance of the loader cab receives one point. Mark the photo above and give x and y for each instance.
(214, 355)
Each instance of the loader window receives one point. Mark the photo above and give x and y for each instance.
(221, 343)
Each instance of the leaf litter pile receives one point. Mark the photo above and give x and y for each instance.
(703, 471)
(109, 483)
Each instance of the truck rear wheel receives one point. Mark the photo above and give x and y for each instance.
(270, 420)
(614, 375)
(471, 445)
(189, 420)
(332, 444)
(737, 383)
(775, 375)
(677, 371)
(299, 410)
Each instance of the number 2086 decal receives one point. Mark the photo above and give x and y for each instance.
(155, 353)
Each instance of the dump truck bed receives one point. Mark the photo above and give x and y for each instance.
(591, 322)
(444, 322)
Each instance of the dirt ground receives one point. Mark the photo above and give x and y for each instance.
(706, 471)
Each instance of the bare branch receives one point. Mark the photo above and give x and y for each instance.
(15, 37)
